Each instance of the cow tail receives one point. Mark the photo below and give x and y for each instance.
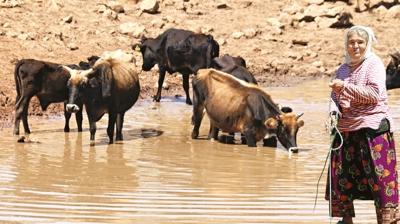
(18, 80)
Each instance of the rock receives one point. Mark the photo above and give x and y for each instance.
(169, 19)
(116, 7)
(394, 12)
(120, 55)
(293, 9)
(67, 19)
(237, 35)
(72, 46)
(325, 22)
(315, 2)
(222, 6)
(344, 20)
(157, 23)
(317, 64)
(381, 10)
(149, 6)
(110, 14)
(206, 29)
(300, 42)
(250, 32)
(102, 8)
(131, 28)
(25, 36)
(275, 22)
(12, 34)
(221, 41)
(10, 3)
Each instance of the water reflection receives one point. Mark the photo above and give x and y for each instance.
(158, 174)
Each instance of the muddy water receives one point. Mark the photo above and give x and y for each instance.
(160, 175)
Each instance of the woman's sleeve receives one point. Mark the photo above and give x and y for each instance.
(370, 93)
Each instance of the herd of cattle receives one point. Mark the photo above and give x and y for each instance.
(222, 86)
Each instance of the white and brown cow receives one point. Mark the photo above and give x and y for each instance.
(111, 86)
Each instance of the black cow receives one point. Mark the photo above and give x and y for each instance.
(393, 72)
(111, 86)
(241, 107)
(47, 81)
(177, 50)
(235, 66)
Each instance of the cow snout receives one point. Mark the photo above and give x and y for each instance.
(72, 108)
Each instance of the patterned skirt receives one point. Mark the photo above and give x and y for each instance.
(363, 168)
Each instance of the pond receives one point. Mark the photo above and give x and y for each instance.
(158, 174)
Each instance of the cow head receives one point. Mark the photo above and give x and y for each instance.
(393, 72)
(79, 83)
(150, 49)
(226, 61)
(285, 126)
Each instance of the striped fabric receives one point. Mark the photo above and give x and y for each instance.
(363, 99)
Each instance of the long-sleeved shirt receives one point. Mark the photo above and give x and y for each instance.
(363, 98)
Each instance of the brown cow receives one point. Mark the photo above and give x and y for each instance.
(236, 106)
(112, 87)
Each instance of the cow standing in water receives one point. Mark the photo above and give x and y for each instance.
(393, 72)
(111, 86)
(177, 50)
(47, 81)
(236, 106)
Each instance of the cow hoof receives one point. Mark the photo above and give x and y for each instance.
(66, 129)
(79, 129)
(92, 143)
(189, 102)
(21, 139)
(156, 99)
(195, 135)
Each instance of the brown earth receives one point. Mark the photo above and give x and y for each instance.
(283, 42)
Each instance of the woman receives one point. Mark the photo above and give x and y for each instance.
(364, 165)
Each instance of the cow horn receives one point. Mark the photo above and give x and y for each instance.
(86, 72)
(68, 69)
(298, 116)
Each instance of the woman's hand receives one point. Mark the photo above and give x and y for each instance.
(336, 85)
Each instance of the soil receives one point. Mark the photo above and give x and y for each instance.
(281, 44)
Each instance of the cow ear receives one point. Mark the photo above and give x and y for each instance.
(300, 123)
(106, 80)
(271, 123)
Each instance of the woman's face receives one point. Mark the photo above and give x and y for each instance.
(356, 46)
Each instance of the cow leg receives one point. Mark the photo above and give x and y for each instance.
(79, 118)
(112, 117)
(185, 79)
(120, 122)
(92, 129)
(21, 112)
(18, 115)
(250, 135)
(67, 116)
(213, 133)
(198, 108)
(161, 77)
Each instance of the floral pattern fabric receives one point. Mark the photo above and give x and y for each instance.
(363, 168)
